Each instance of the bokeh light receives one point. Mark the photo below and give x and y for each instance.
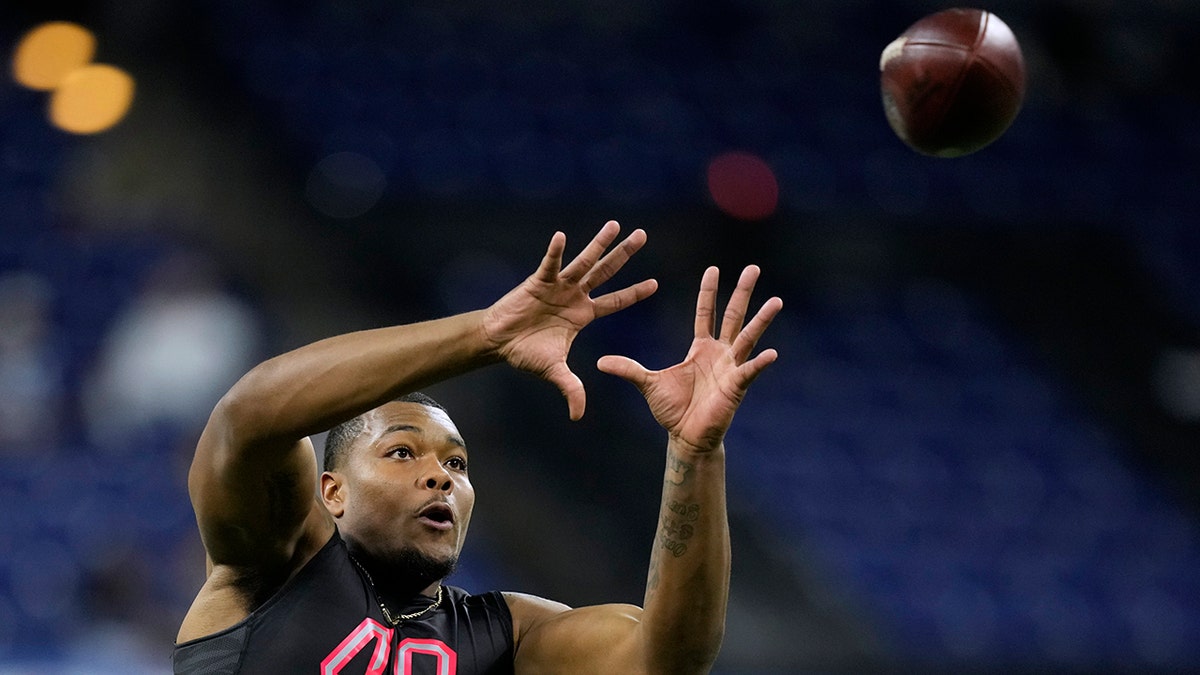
(743, 186)
(91, 99)
(47, 54)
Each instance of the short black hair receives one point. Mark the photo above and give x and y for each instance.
(339, 438)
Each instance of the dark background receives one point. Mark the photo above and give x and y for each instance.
(978, 451)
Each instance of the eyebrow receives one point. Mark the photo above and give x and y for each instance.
(451, 438)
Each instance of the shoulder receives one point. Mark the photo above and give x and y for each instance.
(552, 637)
(530, 610)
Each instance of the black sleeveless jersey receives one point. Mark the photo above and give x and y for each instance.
(327, 620)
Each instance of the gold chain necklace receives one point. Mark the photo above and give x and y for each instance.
(395, 620)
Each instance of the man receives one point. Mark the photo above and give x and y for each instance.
(350, 581)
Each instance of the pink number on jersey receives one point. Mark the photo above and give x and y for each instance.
(447, 659)
(368, 630)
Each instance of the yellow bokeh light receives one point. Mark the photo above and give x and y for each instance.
(50, 52)
(91, 99)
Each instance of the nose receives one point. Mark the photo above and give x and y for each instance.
(435, 477)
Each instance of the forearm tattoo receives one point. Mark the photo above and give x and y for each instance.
(675, 526)
(678, 471)
(677, 520)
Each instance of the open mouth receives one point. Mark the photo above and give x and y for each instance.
(437, 515)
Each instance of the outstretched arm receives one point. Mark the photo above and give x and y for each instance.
(687, 587)
(253, 476)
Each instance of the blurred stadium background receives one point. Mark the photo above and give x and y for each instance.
(978, 452)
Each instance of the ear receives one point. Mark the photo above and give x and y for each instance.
(333, 494)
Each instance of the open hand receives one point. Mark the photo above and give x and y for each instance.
(533, 325)
(695, 400)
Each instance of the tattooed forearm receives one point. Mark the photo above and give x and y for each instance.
(691, 536)
(687, 585)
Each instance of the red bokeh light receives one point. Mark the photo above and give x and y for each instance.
(743, 185)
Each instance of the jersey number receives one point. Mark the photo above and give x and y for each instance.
(371, 631)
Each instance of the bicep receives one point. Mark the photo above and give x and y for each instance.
(553, 638)
(253, 503)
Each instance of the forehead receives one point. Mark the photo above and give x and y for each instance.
(413, 418)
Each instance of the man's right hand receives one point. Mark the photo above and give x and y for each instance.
(533, 326)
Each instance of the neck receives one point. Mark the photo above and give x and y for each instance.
(392, 616)
(404, 591)
(394, 577)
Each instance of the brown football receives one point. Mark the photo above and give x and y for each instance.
(953, 82)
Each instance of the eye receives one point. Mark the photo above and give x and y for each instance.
(401, 452)
(457, 463)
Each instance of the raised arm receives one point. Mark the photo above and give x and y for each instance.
(253, 477)
(681, 626)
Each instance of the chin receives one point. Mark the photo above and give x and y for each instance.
(423, 565)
